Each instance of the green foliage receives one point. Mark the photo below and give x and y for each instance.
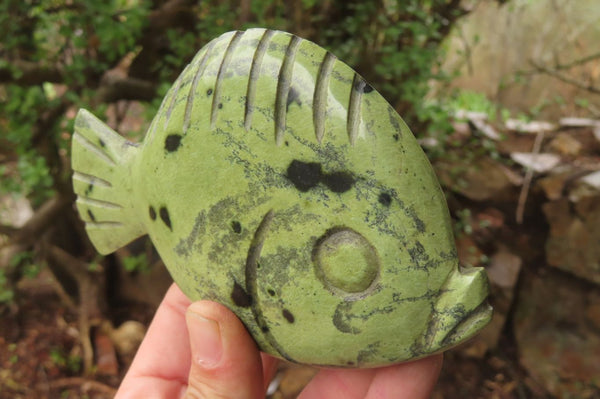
(76, 40)
(72, 363)
(14, 358)
(34, 177)
(136, 263)
(21, 111)
(21, 257)
(472, 101)
(6, 292)
(217, 17)
(463, 222)
(396, 46)
(31, 270)
(28, 268)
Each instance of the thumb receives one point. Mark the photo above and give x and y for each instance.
(225, 360)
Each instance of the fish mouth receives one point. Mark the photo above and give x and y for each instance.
(471, 324)
(461, 310)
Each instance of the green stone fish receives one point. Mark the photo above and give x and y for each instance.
(276, 181)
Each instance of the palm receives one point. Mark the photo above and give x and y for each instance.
(163, 367)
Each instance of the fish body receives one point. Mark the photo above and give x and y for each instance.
(276, 181)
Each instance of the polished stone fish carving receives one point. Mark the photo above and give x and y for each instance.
(275, 180)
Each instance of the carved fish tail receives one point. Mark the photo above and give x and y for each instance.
(103, 168)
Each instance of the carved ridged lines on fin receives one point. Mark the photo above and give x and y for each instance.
(89, 179)
(259, 54)
(283, 87)
(216, 103)
(103, 225)
(354, 108)
(187, 117)
(98, 203)
(100, 152)
(320, 95)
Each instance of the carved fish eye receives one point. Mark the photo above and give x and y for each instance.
(346, 263)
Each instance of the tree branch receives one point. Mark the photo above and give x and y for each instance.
(537, 145)
(7, 230)
(565, 78)
(45, 141)
(126, 89)
(30, 73)
(447, 13)
(167, 15)
(40, 221)
(90, 288)
(578, 62)
(172, 13)
(76, 268)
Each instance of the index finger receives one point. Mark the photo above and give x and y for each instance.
(162, 363)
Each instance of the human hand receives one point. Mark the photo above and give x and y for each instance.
(215, 357)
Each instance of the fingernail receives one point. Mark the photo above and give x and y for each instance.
(205, 340)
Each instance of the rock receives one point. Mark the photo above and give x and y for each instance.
(503, 273)
(540, 163)
(127, 337)
(558, 215)
(479, 180)
(553, 185)
(573, 242)
(106, 358)
(566, 144)
(557, 345)
(469, 255)
(576, 141)
(15, 211)
(504, 269)
(586, 186)
(529, 127)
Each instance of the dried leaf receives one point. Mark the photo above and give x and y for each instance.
(540, 163)
(529, 127)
